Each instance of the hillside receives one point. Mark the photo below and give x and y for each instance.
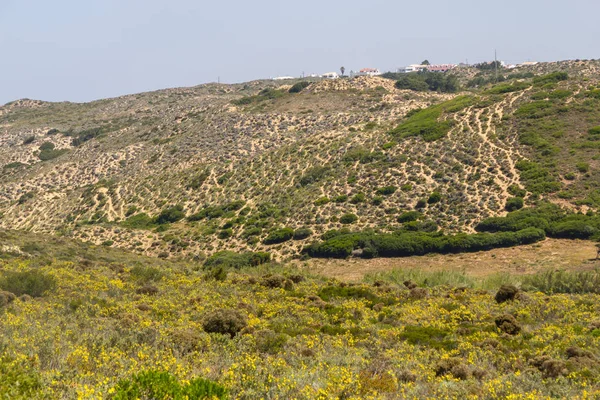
(242, 161)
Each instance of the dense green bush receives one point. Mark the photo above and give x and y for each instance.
(163, 385)
(358, 198)
(230, 259)
(139, 221)
(33, 282)
(434, 197)
(513, 204)
(427, 336)
(419, 243)
(509, 87)
(225, 321)
(170, 215)
(264, 95)
(87, 135)
(279, 236)
(553, 77)
(424, 81)
(348, 219)
(549, 217)
(302, 233)
(50, 154)
(298, 87)
(386, 190)
(537, 178)
(409, 216)
(213, 212)
(313, 175)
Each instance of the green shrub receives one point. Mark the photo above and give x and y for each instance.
(424, 81)
(28, 140)
(322, 201)
(409, 216)
(508, 88)
(341, 198)
(594, 131)
(270, 342)
(24, 198)
(302, 233)
(225, 233)
(358, 198)
(146, 274)
(583, 167)
(329, 293)
(377, 200)
(348, 219)
(421, 203)
(516, 191)
(553, 77)
(386, 190)
(139, 221)
(313, 175)
(47, 146)
(537, 179)
(404, 243)
(87, 135)
(298, 87)
(513, 204)
(434, 197)
(363, 155)
(19, 380)
(427, 336)
(197, 181)
(170, 215)
(230, 259)
(225, 322)
(279, 236)
(162, 385)
(33, 282)
(46, 155)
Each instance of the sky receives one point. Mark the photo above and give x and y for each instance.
(82, 50)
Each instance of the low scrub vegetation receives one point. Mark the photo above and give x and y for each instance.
(552, 219)
(417, 243)
(429, 123)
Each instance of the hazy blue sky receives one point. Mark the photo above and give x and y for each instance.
(81, 50)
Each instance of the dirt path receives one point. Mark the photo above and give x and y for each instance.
(552, 253)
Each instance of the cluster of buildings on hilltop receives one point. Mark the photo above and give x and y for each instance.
(335, 75)
(408, 69)
(428, 67)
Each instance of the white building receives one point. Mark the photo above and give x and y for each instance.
(430, 68)
(283, 78)
(414, 68)
(369, 72)
(330, 75)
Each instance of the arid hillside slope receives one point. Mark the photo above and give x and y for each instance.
(241, 161)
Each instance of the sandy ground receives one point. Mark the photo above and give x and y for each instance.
(552, 253)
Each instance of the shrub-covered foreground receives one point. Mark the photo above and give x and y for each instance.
(96, 335)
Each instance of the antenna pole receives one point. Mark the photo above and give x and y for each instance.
(496, 64)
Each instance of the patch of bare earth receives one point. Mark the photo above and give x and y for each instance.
(549, 254)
